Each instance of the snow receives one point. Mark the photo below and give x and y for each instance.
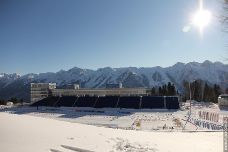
(147, 119)
(22, 132)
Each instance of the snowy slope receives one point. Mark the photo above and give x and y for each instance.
(6, 79)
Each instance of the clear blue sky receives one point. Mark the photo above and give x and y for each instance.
(49, 35)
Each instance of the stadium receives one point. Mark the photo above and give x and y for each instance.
(112, 115)
(46, 94)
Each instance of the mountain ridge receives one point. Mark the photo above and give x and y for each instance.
(210, 72)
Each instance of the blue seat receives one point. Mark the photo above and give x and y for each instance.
(172, 103)
(152, 102)
(85, 101)
(129, 102)
(66, 101)
(49, 102)
(107, 102)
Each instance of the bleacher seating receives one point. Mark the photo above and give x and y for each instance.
(130, 102)
(49, 102)
(85, 101)
(172, 103)
(152, 102)
(66, 101)
(107, 102)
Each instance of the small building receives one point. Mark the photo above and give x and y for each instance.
(9, 104)
(223, 100)
(101, 92)
(114, 85)
(71, 86)
(41, 90)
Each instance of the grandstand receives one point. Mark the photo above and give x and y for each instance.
(172, 103)
(48, 102)
(66, 101)
(128, 102)
(86, 101)
(150, 102)
(107, 102)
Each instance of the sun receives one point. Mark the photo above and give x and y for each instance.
(201, 18)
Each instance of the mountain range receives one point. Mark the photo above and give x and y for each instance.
(14, 85)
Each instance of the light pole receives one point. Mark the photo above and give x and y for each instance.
(190, 107)
(190, 98)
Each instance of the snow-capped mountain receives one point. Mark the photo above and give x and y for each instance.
(6, 79)
(213, 73)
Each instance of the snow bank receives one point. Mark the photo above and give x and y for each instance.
(24, 133)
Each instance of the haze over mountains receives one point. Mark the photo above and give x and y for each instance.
(14, 85)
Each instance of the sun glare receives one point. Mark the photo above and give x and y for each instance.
(201, 18)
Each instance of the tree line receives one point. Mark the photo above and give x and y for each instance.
(164, 90)
(199, 90)
(202, 91)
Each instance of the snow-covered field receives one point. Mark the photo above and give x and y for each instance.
(130, 119)
(150, 120)
(26, 129)
(25, 133)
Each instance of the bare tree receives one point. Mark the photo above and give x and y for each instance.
(224, 20)
(225, 16)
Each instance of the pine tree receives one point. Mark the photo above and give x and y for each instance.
(186, 90)
(153, 91)
(164, 90)
(196, 87)
(160, 91)
(217, 92)
(171, 90)
(209, 95)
